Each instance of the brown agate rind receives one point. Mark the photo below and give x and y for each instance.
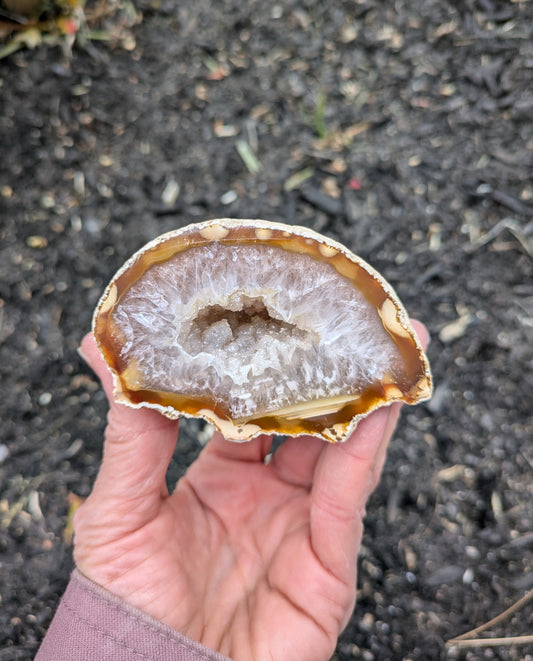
(317, 375)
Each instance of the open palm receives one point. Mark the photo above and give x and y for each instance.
(254, 559)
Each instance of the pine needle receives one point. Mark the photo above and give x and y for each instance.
(469, 639)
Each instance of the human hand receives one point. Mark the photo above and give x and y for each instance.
(255, 560)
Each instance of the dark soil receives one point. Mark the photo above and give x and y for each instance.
(412, 121)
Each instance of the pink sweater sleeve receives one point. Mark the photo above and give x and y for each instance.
(93, 625)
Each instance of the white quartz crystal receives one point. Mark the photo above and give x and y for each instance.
(254, 327)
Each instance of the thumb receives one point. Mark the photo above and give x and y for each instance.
(138, 442)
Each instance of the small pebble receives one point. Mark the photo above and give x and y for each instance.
(228, 197)
(472, 552)
(468, 576)
(45, 398)
(205, 434)
(367, 623)
(48, 201)
(37, 242)
(4, 453)
(170, 193)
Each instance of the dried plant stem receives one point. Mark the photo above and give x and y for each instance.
(469, 639)
(489, 642)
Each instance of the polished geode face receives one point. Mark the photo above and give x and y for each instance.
(254, 326)
(258, 327)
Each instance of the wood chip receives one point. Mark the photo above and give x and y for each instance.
(455, 329)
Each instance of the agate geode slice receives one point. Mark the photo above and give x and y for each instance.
(258, 327)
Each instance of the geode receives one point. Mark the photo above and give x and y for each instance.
(258, 327)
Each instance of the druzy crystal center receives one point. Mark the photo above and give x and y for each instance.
(253, 326)
(217, 328)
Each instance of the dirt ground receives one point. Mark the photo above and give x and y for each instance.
(403, 129)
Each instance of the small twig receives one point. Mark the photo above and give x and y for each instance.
(511, 226)
(489, 642)
(16, 18)
(250, 160)
(469, 636)
(18, 26)
(30, 485)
